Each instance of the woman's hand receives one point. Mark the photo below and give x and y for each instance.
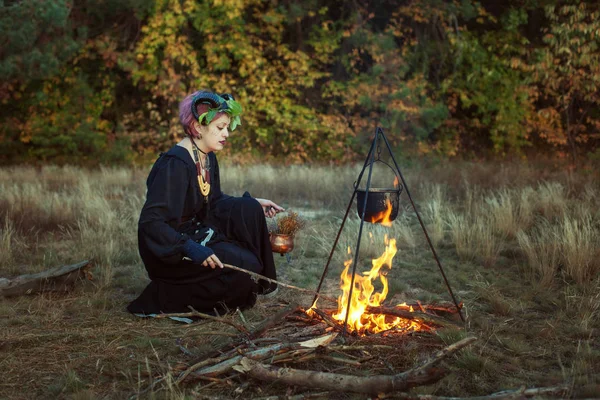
(213, 262)
(271, 209)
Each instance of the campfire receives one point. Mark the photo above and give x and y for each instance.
(357, 314)
(362, 320)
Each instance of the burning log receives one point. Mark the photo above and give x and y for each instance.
(414, 315)
(421, 375)
(328, 320)
(441, 308)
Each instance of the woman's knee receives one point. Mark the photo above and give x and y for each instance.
(250, 205)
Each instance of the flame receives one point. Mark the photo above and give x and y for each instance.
(396, 182)
(383, 217)
(310, 311)
(364, 296)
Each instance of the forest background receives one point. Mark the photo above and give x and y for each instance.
(98, 81)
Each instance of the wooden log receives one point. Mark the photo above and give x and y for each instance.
(438, 308)
(415, 315)
(523, 393)
(59, 279)
(328, 320)
(373, 385)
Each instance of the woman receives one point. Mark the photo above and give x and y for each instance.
(188, 227)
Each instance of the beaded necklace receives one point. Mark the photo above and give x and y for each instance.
(203, 170)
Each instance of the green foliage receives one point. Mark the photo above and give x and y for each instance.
(567, 75)
(484, 87)
(88, 81)
(36, 38)
(66, 124)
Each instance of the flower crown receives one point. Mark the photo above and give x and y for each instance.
(223, 103)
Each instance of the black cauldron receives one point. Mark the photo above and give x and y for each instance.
(377, 203)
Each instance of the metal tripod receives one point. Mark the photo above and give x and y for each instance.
(375, 147)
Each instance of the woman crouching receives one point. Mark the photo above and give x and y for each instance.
(188, 227)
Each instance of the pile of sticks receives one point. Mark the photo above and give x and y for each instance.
(292, 338)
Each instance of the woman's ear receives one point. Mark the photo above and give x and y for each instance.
(197, 128)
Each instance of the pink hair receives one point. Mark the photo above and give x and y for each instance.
(186, 117)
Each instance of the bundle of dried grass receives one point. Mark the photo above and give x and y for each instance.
(288, 224)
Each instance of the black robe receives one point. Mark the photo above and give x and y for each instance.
(174, 212)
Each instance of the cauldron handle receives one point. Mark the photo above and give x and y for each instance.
(400, 187)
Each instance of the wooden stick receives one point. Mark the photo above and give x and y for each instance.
(306, 396)
(544, 392)
(200, 364)
(309, 331)
(218, 333)
(275, 319)
(445, 352)
(264, 278)
(195, 313)
(360, 347)
(226, 362)
(328, 320)
(446, 308)
(354, 363)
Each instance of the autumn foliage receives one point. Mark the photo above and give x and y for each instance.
(92, 82)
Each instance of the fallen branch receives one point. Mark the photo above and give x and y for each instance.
(195, 313)
(328, 320)
(558, 391)
(305, 396)
(329, 381)
(421, 375)
(309, 331)
(275, 319)
(59, 279)
(348, 361)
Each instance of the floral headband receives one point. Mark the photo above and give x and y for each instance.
(223, 103)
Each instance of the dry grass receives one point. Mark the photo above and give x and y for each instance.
(580, 248)
(569, 247)
(542, 253)
(519, 245)
(436, 208)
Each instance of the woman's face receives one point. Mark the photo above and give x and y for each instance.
(214, 135)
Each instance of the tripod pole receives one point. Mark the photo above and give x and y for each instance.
(360, 228)
(337, 238)
(423, 226)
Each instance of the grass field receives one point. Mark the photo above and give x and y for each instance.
(520, 245)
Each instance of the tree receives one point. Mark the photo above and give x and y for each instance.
(567, 75)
